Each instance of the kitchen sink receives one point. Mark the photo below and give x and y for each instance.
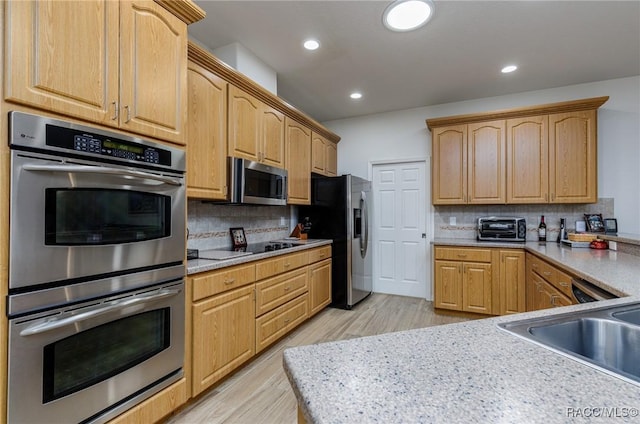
(629, 316)
(607, 338)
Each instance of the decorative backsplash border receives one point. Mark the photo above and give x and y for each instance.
(466, 217)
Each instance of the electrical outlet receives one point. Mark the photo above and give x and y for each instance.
(452, 220)
(283, 221)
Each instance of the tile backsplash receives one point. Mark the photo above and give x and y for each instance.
(466, 217)
(209, 223)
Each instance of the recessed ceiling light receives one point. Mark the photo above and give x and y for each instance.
(508, 69)
(407, 15)
(311, 44)
(355, 95)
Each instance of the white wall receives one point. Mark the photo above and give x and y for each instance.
(243, 60)
(403, 135)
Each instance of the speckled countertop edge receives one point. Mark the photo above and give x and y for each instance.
(195, 266)
(471, 371)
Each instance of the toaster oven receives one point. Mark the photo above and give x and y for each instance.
(499, 228)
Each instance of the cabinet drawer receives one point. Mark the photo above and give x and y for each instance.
(214, 282)
(542, 268)
(275, 324)
(279, 290)
(463, 254)
(319, 254)
(280, 264)
(562, 281)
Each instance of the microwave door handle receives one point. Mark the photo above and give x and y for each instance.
(113, 305)
(83, 169)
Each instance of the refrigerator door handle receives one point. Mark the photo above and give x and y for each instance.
(364, 225)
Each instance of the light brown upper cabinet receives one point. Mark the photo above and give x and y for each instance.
(298, 152)
(256, 130)
(552, 158)
(540, 154)
(120, 64)
(207, 134)
(527, 164)
(324, 155)
(573, 157)
(468, 164)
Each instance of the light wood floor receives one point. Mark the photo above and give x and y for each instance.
(260, 392)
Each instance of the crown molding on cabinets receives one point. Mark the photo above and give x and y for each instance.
(520, 112)
(185, 10)
(206, 59)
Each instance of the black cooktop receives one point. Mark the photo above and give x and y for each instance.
(267, 246)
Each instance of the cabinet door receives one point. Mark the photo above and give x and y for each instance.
(527, 160)
(153, 71)
(331, 159)
(223, 336)
(476, 288)
(244, 124)
(486, 162)
(318, 154)
(448, 285)
(572, 157)
(206, 134)
(449, 170)
(63, 57)
(319, 286)
(298, 148)
(272, 151)
(512, 282)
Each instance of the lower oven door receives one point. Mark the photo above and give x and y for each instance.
(89, 362)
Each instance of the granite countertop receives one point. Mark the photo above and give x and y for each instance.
(471, 371)
(195, 266)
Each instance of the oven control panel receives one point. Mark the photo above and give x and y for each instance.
(116, 149)
(82, 141)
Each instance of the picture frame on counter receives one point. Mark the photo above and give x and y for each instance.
(238, 237)
(594, 222)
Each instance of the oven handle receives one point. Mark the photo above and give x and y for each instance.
(116, 304)
(79, 169)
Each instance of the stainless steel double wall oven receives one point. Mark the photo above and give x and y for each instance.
(96, 277)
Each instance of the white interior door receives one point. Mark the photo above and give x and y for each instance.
(400, 253)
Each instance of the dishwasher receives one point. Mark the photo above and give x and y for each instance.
(584, 292)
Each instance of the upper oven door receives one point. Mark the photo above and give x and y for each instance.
(78, 219)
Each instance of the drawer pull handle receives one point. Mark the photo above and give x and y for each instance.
(286, 321)
(462, 255)
(547, 273)
(553, 300)
(287, 288)
(287, 265)
(231, 281)
(534, 265)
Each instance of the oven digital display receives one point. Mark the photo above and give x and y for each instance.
(109, 144)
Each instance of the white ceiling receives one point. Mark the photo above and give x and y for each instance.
(456, 56)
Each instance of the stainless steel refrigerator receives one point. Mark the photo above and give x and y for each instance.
(339, 211)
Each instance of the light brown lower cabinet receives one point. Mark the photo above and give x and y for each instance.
(547, 285)
(239, 311)
(156, 407)
(479, 280)
(223, 335)
(512, 282)
(463, 279)
(319, 286)
(278, 322)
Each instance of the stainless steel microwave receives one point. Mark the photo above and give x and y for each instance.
(255, 183)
